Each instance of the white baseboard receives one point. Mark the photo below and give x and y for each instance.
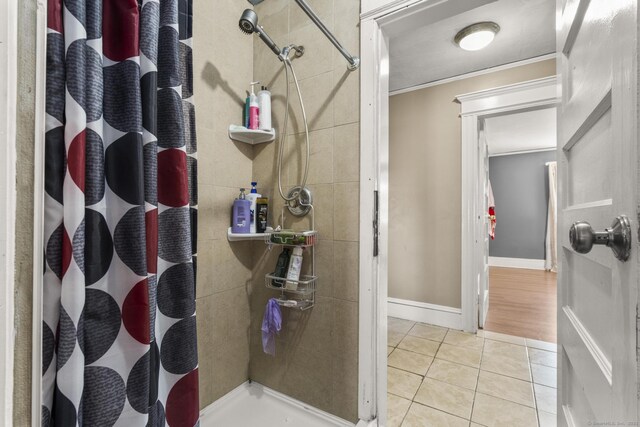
(438, 315)
(531, 264)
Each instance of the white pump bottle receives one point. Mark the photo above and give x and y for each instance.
(264, 103)
(254, 109)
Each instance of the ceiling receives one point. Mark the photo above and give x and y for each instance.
(528, 131)
(422, 48)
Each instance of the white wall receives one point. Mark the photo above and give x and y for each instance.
(527, 131)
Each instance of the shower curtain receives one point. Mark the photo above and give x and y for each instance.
(119, 327)
(551, 241)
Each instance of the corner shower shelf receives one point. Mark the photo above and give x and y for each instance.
(237, 237)
(251, 136)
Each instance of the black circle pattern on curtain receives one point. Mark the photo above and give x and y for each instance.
(119, 346)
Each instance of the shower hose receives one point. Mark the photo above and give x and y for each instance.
(283, 138)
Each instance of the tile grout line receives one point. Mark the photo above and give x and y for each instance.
(405, 414)
(421, 381)
(535, 399)
(533, 384)
(475, 392)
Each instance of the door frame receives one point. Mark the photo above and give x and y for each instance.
(8, 98)
(38, 209)
(375, 27)
(475, 107)
(374, 149)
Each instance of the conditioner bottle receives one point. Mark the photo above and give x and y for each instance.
(295, 266)
(253, 198)
(254, 109)
(240, 222)
(281, 267)
(264, 103)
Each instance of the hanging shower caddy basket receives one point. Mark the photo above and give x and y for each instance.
(296, 294)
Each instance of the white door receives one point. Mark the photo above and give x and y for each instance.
(598, 162)
(482, 229)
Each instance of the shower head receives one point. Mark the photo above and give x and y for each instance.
(248, 21)
(249, 25)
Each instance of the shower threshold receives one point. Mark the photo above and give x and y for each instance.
(252, 404)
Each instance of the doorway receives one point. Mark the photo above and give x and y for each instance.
(597, 60)
(520, 162)
(442, 321)
(430, 356)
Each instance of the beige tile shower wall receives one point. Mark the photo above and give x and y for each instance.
(425, 185)
(317, 356)
(223, 68)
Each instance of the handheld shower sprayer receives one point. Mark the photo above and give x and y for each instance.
(249, 25)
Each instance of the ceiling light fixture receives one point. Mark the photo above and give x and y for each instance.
(476, 36)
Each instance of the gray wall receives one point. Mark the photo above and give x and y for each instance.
(520, 188)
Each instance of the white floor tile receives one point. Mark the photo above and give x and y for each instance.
(546, 398)
(547, 420)
(544, 375)
(542, 345)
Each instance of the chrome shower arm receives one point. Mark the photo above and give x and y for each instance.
(354, 61)
(267, 40)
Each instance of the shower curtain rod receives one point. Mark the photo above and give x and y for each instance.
(354, 61)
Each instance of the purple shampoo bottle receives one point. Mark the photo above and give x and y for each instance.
(241, 221)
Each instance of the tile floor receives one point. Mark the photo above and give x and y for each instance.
(441, 377)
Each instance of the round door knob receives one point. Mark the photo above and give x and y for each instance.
(582, 237)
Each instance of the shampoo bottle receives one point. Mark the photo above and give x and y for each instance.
(254, 109)
(281, 267)
(264, 103)
(245, 113)
(295, 266)
(241, 215)
(253, 198)
(262, 214)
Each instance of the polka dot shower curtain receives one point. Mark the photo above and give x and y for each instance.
(119, 340)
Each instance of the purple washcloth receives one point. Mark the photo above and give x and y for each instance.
(271, 325)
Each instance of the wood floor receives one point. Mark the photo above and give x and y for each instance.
(522, 303)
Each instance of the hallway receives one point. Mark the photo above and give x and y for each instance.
(522, 303)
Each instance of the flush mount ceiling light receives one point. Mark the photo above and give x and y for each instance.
(476, 36)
